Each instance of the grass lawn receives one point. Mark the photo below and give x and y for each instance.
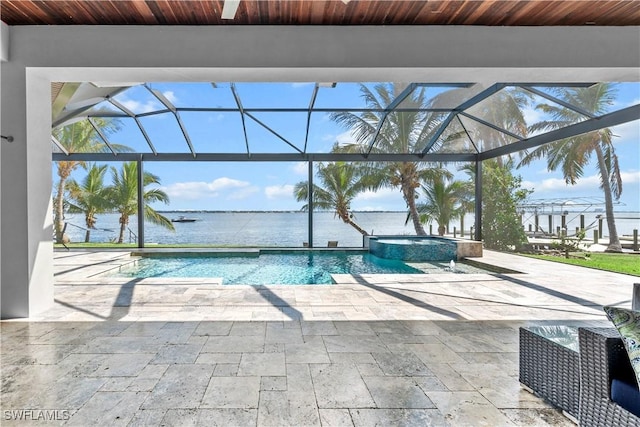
(618, 263)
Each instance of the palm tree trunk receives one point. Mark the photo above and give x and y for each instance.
(87, 235)
(410, 197)
(357, 227)
(343, 213)
(123, 225)
(614, 240)
(58, 220)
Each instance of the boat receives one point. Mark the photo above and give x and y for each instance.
(183, 219)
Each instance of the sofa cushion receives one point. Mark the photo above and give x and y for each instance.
(628, 324)
(626, 395)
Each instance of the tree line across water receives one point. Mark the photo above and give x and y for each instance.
(430, 192)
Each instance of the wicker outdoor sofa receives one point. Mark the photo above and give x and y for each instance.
(603, 358)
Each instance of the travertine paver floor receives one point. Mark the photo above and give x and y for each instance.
(371, 350)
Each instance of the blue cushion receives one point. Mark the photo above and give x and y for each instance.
(626, 395)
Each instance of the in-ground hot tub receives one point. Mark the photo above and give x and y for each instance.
(422, 248)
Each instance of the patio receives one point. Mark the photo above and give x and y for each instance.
(385, 350)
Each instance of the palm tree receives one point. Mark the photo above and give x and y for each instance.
(444, 201)
(341, 183)
(79, 137)
(89, 197)
(123, 196)
(571, 155)
(401, 132)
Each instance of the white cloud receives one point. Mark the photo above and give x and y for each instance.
(141, 107)
(531, 115)
(198, 189)
(382, 193)
(279, 191)
(627, 132)
(171, 96)
(243, 193)
(346, 138)
(629, 177)
(587, 183)
(300, 168)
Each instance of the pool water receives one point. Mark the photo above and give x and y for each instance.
(305, 267)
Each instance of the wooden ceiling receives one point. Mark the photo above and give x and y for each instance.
(321, 12)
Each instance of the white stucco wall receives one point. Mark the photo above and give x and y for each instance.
(41, 54)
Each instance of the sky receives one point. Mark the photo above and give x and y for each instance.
(269, 186)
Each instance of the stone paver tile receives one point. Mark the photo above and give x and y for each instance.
(335, 418)
(340, 386)
(219, 358)
(182, 386)
(401, 364)
(210, 417)
(423, 327)
(495, 358)
(108, 408)
(143, 384)
(354, 344)
(390, 338)
(388, 327)
(262, 364)
(283, 335)
(543, 417)
(122, 365)
(117, 384)
(177, 353)
(232, 392)
(354, 328)
(353, 358)
(398, 417)
(430, 384)
(147, 417)
(155, 371)
(234, 344)
(433, 353)
(273, 384)
(450, 377)
(248, 329)
(318, 327)
(397, 392)
(465, 408)
(294, 407)
(274, 347)
(120, 344)
(67, 393)
(142, 329)
(213, 328)
(494, 383)
(226, 370)
(276, 410)
(469, 343)
(312, 350)
(35, 354)
(369, 370)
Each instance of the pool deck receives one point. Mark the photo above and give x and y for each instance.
(435, 349)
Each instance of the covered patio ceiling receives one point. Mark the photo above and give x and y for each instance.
(274, 121)
(322, 12)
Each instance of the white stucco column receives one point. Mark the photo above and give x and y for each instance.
(26, 271)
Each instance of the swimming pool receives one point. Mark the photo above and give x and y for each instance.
(263, 268)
